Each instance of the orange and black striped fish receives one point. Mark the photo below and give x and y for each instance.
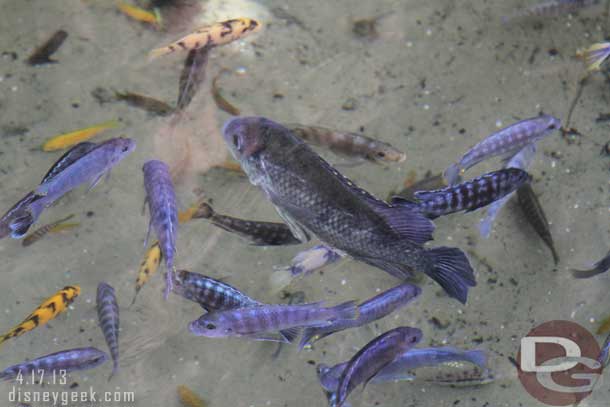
(48, 310)
(148, 267)
(42, 231)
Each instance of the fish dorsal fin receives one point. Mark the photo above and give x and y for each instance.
(68, 158)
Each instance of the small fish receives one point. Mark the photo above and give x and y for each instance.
(348, 144)
(72, 138)
(192, 76)
(427, 184)
(535, 216)
(138, 14)
(151, 105)
(58, 362)
(522, 161)
(259, 233)
(370, 310)
(595, 55)
(189, 398)
(305, 262)
(313, 197)
(373, 357)
(41, 232)
(473, 194)
(505, 142)
(108, 316)
(211, 36)
(222, 103)
(551, 8)
(43, 53)
(604, 355)
(604, 326)
(297, 297)
(264, 322)
(48, 310)
(600, 267)
(211, 294)
(456, 376)
(148, 267)
(163, 213)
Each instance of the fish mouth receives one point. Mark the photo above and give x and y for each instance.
(194, 329)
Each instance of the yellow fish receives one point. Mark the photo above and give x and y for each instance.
(148, 267)
(56, 226)
(189, 398)
(138, 13)
(74, 137)
(45, 312)
(595, 55)
(604, 326)
(210, 36)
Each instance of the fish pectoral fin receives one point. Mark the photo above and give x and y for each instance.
(290, 334)
(267, 336)
(405, 218)
(148, 235)
(297, 230)
(397, 270)
(96, 181)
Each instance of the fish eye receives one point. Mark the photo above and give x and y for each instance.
(551, 127)
(236, 141)
(210, 326)
(381, 154)
(125, 149)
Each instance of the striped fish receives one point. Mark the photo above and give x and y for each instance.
(42, 231)
(108, 316)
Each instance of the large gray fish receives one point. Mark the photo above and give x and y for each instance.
(211, 294)
(161, 200)
(504, 142)
(600, 267)
(84, 163)
(471, 195)
(108, 316)
(264, 322)
(370, 310)
(310, 195)
(373, 357)
(65, 360)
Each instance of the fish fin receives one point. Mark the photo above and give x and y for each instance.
(20, 225)
(477, 357)
(290, 334)
(587, 273)
(115, 370)
(402, 377)
(96, 181)
(404, 218)
(452, 174)
(346, 311)
(452, 270)
(267, 336)
(310, 336)
(297, 230)
(399, 271)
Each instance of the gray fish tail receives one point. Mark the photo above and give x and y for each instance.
(450, 268)
(452, 174)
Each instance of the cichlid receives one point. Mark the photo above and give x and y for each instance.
(222, 103)
(138, 14)
(148, 267)
(604, 355)
(305, 262)
(42, 54)
(57, 363)
(163, 213)
(72, 138)
(472, 194)
(108, 316)
(42, 231)
(192, 76)
(312, 196)
(370, 310)
(504, 142)
(217, 34)
(189, 398)
(551, 8)
(600, 267)
(48, 310)
(151, 105)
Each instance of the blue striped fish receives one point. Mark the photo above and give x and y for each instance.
(108, 316)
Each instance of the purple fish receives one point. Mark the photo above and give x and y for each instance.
(211, 294)
(108, 316)
(505, 142)
(600, 267)
(264, 321)
(551, 8)
(371, 310)
(65, 360)
(471, 195)
(303, 263)
(373, 357)
(604, 355)
(163, 213)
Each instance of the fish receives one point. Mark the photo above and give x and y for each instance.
(471, 195)
(370, 310)
(258, 233)
(161, 200)
(148, 267)
(189, 398)
(551, 8)
(138, 14)
(42, 54)
(210, 36)
(211, 294)
(528, 201)
(348, 144)
(67, 159)
(522, 161)
(192, 76)
(108, 316)
(595, 55)
(604, 355)
(505, 142)
(41, 232)
(310, 195)
(600, 267)
(373, 357)
(222, 103)
(297, 297)
(426, 184)
(270, 322)
(72, 138)
(305, 262)
(151, 105)
(48, 310)
(61, 362)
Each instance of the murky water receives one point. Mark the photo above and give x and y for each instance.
(437, 77)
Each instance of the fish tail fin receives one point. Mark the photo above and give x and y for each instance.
(157, 52)
(345, 311)
(485, 226)
(477, 356)
(21, 224)
(115, 370)
(451, 269)
(452, 174)
(587, 273)
(280, 278)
